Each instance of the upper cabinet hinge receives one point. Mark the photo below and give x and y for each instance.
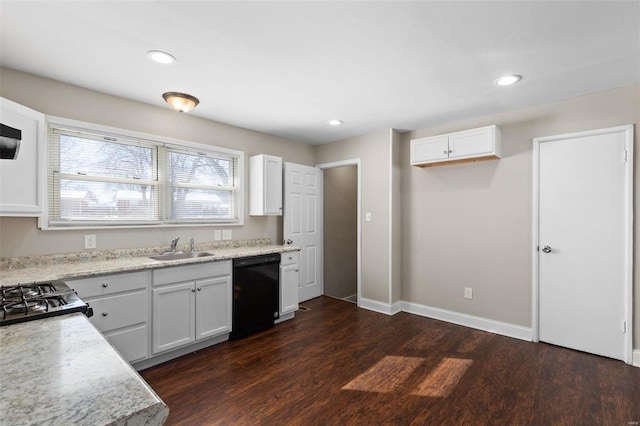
(624, 326)
(626, 155)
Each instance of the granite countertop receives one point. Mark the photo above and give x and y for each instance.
(75, 266)
(61, 371)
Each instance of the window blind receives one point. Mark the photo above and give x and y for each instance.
(96, 179)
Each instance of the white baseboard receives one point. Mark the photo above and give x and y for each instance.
(636, 357)
(383, 308)
(497, 327)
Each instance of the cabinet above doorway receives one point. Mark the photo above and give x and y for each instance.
(483, 143)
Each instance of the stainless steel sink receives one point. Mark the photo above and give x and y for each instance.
(180, 256)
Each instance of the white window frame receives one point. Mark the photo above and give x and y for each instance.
(74, 125)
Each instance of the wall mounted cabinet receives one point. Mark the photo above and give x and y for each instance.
(483, 143)
(22, 160)
(265, 185)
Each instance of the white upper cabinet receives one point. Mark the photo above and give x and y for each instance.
(469, 145)
(22, 160)
(265, 185)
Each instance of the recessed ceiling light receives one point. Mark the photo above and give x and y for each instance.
(508, 80)
(161, 57)
(334, 122)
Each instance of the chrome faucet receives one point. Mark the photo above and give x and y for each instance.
(174, 244)
(191, 245)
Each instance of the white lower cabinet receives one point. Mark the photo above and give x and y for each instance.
(120, 306)
(190, 303)
(289, 282)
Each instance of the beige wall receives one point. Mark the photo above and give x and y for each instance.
(373, 150)
(21, 237)
(469, 225)
(395, 248)
(340, 205)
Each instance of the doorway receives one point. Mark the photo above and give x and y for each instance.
(583, 245)
(342, 229)
(340, 232)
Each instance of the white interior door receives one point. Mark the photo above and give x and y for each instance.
(584, 250)
(303, 225)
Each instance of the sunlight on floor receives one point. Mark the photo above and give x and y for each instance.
(441, 381)
(386, 375)
(390, 373)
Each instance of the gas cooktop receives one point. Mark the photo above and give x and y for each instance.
(32, 301)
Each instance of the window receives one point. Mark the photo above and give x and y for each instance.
(100, 178)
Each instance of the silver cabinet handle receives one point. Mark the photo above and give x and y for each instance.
(105, 285)
(445, 152)
(104, 314)
(546, 249)
(199, 289)
(450, 151)
(193, 290)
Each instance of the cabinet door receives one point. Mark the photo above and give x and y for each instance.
(132, 343)
(24, 166)
(429, 149)
(213, 307)
(173, 314)
(471, 143)
(265, 185)
(273, 185)
(288, 288)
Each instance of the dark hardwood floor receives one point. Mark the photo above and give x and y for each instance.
(340, 365)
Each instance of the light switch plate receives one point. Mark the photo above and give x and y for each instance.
(217, 235)
(468, 293)
(367, 216)
(226, 234)
(90, 241)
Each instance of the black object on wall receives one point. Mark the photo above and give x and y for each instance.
(9, 142)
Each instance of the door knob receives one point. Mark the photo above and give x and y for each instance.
(546, 249)
(288, 242)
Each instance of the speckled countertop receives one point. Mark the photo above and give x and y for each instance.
(78, 265)
(61, 371)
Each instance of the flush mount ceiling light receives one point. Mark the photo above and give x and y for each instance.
(161, 57)
(181, 101)
(334, 122)
(508, 80)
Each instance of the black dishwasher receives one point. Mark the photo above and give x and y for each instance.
(256, 294)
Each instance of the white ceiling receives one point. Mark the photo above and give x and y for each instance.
(286, 68)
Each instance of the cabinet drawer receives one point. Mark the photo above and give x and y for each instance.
(110, 313)
(288, 258)
(132, 344)
(191, 272)
(109, 284)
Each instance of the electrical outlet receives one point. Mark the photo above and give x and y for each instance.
(367, 217)
(226, 234)
(468, 293)
(90, 241)
(217, 235)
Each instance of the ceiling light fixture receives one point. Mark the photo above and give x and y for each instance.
(508, 80)
(181, 101)
(161, 57)
(334, 122)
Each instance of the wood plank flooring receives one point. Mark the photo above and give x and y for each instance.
(337, 364)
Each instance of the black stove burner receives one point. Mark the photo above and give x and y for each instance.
(25, 302)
